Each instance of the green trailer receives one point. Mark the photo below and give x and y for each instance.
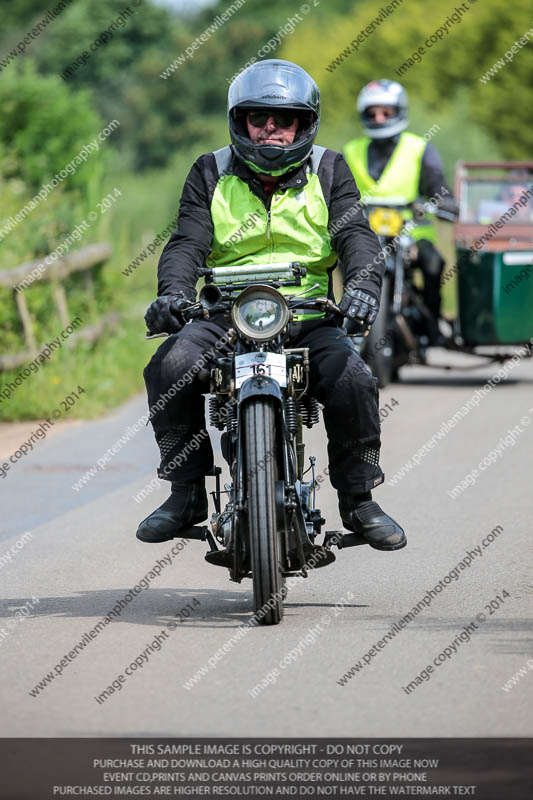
(494, 244)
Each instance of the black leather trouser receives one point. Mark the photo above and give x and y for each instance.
(339, 380)
(431, 263)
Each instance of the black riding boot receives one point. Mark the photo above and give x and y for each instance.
(361, 514)
(186, 506)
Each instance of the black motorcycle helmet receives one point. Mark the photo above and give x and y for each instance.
(276, 84)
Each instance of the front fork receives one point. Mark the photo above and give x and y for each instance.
(295, 516)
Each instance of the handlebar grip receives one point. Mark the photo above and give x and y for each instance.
(150, 335)
(355, 327)
(448, 216)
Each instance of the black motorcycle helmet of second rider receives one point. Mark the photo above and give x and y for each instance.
(273, 83)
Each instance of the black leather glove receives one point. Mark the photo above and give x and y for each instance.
(163, 316)
(359, 305)
(447, 209)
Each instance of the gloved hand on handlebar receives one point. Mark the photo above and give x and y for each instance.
(359, 305)
(447, 209)
(163, 316)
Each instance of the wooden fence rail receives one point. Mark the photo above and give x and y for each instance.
(22, 277)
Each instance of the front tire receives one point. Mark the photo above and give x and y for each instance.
(380, 345)
(261, 474)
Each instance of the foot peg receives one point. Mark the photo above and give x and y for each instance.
(318, 556)
(341, 539)
(220, 558)
(197, 532)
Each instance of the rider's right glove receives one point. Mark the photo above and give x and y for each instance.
(163, 316)
(360, 306)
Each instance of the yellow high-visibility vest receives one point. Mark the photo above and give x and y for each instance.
(400, 178)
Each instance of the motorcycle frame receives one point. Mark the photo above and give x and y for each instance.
(297, 534)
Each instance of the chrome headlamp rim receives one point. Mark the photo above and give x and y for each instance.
(246, 330)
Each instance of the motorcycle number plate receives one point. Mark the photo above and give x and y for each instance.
(274, 365)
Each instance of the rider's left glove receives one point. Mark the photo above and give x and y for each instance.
(164, 316)
(360, 306)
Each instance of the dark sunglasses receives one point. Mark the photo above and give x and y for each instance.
(282, 118)
(387, 113)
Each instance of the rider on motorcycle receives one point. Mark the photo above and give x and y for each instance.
(269, 198)
(388, 162)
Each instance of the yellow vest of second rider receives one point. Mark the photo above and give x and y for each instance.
(400, 178)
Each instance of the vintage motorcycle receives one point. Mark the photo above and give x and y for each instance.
(400, 334)
(494, 253)
(260, 400)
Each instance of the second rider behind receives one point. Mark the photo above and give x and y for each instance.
(270, 197)
(388, 162)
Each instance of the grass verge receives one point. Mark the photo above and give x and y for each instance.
(110, 371)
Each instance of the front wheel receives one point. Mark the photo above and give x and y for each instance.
(261, 474)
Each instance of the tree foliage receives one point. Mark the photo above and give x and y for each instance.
(159, 116)
(450, 68)
(43, 125)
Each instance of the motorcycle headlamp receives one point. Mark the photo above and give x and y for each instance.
(260, 313)
(385, 221)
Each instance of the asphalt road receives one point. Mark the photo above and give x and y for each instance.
(82, 559)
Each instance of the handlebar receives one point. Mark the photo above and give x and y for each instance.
(419, 209)
(322, 303)
(200, 310)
